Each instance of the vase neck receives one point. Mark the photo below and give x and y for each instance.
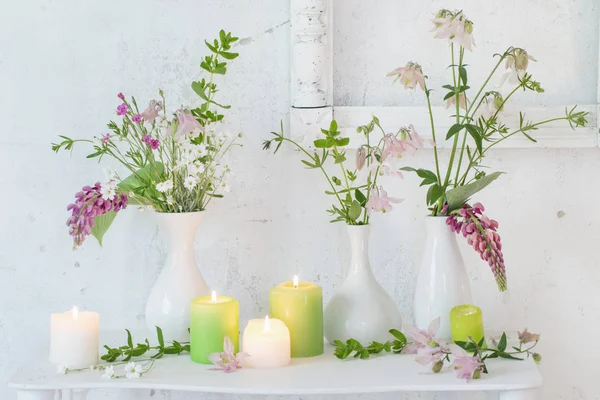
(359, 245)
(179, 229)
(438, 228)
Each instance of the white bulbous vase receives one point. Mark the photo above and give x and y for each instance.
(442, 282)
(180, 280)
(360, 308)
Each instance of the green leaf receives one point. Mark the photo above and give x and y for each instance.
(509, 356)
(142, 177)
(322, 143)
(360, 197)
(449, 94)
(355, 210)
(502, 343)
(342, 142)
(434, 193)
(129, 339)
(475, 132)
(454, 129)
(159, 334)
(398, 335)
(336, 180)
(101, 225)
(462, 72)
(309, 165)
(458, 196)
(228, 56)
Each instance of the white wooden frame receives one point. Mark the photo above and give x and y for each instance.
(312, 93)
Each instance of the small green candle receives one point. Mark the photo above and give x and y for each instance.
(466, 320)
(211, 319)
(300, 306)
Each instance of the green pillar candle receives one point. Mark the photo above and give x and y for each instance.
(211, 319)
(300, 306)
(466, 320)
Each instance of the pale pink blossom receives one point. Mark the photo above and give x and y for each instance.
(462, 101)
(466, 366)
(434, 353)
(516, 65)
(409, 75)
(379, 201)
(455, 27)
(361, 158)
(417, 141)
(227, 361)
(395, 147)
(420, 337)
(187, 123)
(528, 337)
(151, 112)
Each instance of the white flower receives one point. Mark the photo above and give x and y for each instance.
(164, 186)
(491, 105)
(190, 182)
(516, 65)
(108, 189)
(455, 27)
(133, 370)
(195, 168)
(62, 369)
(225, 188)
(170, 200)
(109, 372)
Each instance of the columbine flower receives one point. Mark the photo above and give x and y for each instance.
(421, 338)
(190, 182)
(137, 118)
(122, 109)
(409, 75)
(379, 201)
(466, 366)
(89, 203)
(133, 370)
(395, 147)
(528, 337)
(491, 105)
(151, 112)
(120, 95)
(164, 186)
(361, 158)
(481, 234)
(462, 101)
(516, 65)
(455, 26)
(433, 354)
(227, 361)
(109, 372)
(62, 369)
(187, 123)
(105, 139)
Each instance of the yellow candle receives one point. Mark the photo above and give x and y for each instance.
(74, 338)
(466, 321)
(267, 342)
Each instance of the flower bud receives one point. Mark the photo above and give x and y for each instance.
(433, 344)
(477, 374)
(437, 367)
(361, 157)
(537, 357)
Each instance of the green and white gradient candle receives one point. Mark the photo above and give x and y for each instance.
(211, 319)
(299, 305)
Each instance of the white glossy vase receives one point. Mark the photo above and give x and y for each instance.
(442, 282)
(180, 280)
(360, 308)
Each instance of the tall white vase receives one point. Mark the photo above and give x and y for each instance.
(180, 280)
(442, 282)
(360, 308)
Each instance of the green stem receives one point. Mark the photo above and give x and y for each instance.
(432, 124)
(455, 143)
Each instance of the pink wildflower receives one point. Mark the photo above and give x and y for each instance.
(137, 118)
(153, 143)
(466, 366)
(421, 338)
(227, 361)
(151, 112)
(528, 337)
(410, 75)
(120, 95)
(122, 109)
(187, 123)
(379, 201)
(105, 139)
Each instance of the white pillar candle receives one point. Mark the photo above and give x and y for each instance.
(74, 338)
(267, 342)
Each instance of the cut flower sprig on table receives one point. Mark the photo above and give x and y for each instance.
(466, 359)
(176, 160)
(478, 117)
(355, 185)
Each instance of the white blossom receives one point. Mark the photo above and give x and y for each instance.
(195, 168)
(133, 370)
(190, 182)
(109, 372)
(164, 186)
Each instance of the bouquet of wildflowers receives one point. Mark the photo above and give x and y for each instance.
(355, 187)
(175, 160)
(479, 119)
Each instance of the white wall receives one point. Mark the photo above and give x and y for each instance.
(62, 63)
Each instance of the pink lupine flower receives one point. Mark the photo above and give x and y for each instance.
(153, 143)
(122, 109)
(105, 139)
(120, 95)
(480, 232)
(187, 123)
(528, 337)
(89, 203)
(151, 112)
(466, 366)
(410, 75)
(379, 201)
(420, 338)
(137, 118)
(462, 101)
(227, 361)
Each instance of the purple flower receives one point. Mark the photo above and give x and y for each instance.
(120, 95)
(153, 143)
(105, 139)
(137, 118)
(122, 109)
(481, 234)
(88, 205)
(187, 123)
(227, 361)
(466, 366)
(151, 112)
